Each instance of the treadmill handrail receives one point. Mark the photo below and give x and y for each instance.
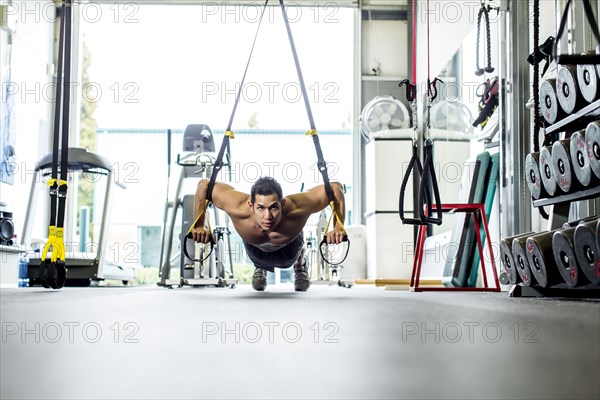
(79, 160)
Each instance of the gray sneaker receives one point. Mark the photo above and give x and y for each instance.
(301, 278)
(259, 279)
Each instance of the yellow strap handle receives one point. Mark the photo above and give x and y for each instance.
(312, 132)
(198, 217)
(51, 182)
(56, 241)
(230, 134)
(337, 217)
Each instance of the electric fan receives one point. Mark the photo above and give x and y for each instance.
(451, 116)
(383, 114)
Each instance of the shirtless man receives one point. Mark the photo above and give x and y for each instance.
(270, 225)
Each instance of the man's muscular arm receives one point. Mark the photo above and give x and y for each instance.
(315, 200)
(224, 197)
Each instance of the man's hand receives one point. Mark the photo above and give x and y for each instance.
(201, 234)
(335, 236)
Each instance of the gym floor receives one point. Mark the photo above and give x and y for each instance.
(330, 342)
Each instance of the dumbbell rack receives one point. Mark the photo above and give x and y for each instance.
(562, 203)
(560, 210)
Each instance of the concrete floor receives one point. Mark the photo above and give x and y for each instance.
(329, 342)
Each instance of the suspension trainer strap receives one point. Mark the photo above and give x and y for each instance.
(228, 132)
(577, 59)
(429, 183)
(414, 166)
(321, 164)
(64, 156)
(53, 272)
(53, 182)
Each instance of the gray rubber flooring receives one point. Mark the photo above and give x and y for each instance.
(330, 342)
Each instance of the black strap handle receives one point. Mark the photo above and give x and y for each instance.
(432, 88)
(429, 182)
(52, 274)
(185, 252)
(413, 165)
(324, 244)
(411, 90)
(577, 59)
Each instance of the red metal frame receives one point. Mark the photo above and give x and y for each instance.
(479, 214)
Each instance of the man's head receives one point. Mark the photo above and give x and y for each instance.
(266, 201)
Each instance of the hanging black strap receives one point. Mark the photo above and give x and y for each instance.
(576, 59)
(429, 183)
(64, 155)
(53, 272)
(218, 164)
(414, 167)
(321, 164)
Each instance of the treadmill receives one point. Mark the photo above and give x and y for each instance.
(91, 266)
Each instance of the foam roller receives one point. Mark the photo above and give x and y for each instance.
(567, 90)
(587, 252)
(598, 234)
(533, 176)
(592, 144)
(580, 159)
(564, 255)
(587, 80)
(541, 259)
(507, 259)
(561, 163)
(549, 106)
(573, 224)
(598, 65)
(520, 257)
(547, 171)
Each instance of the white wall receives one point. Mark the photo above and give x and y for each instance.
(383, 43)
(449, 23)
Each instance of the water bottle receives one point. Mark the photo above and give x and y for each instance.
(23, 270)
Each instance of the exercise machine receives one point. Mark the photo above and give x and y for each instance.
(89, 267)
(199, 264)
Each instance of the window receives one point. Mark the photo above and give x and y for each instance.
(155, 67)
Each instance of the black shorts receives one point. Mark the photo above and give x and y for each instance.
(284, 257)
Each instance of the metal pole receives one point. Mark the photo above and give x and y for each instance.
(515, 123)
